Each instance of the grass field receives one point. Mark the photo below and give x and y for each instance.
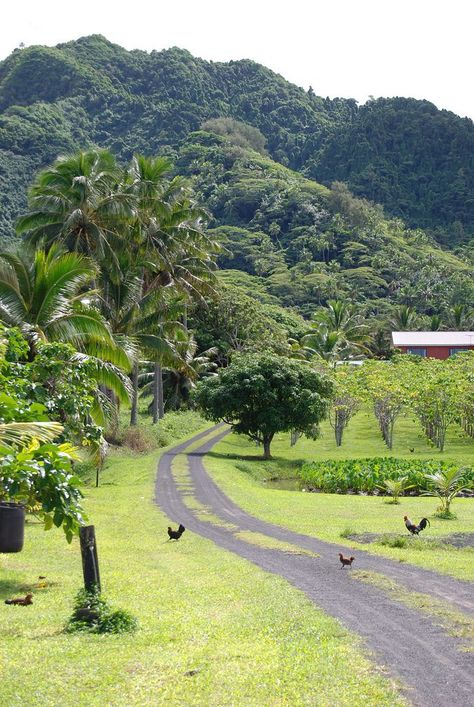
(235, 465)
(213, 629)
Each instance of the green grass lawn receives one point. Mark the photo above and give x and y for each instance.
(235, 465)
(213, 628)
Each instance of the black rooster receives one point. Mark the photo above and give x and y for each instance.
(176, 534)
(415, 529)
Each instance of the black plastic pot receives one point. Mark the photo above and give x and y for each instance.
(12, 527)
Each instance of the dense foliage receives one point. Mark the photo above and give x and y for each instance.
(93, 614)
(403, 153)
(34, 470)
(369, 475)
(291, 241)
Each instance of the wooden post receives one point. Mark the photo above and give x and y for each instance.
(90, 561)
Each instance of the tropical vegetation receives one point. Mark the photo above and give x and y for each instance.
(400, 152)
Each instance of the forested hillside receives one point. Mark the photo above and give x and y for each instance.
(415, 160)
(298, 243)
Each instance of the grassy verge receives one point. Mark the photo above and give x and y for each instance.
(454, 622)
(213, 629)
(235, 466)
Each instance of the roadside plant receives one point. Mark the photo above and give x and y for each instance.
(40, 476)
(446, 484)
(93, 614)
(396, 488)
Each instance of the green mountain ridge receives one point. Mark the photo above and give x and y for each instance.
(415, 160)
(294, 242)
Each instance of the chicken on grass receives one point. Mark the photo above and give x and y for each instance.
(413, 528)
(176, 534)
(24, 601)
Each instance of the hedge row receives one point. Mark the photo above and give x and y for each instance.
(367, 475)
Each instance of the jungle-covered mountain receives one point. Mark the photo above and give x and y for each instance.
(405, 154)
(297, 243)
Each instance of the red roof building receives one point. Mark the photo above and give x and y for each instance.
(433, 344)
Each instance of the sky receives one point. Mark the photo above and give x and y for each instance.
(348, 48)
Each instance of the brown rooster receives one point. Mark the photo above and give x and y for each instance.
(345, 560)
(26, 601)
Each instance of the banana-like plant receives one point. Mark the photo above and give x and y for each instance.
(19, 434)
(396, 487)
(446, 484)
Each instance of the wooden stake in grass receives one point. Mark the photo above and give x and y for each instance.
(90, 561)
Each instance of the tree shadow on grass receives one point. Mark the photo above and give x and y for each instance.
(8, 587)
(288, 463)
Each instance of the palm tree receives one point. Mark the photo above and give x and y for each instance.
(435, 322)
(180, 379)
(81, 203)
(169, 249)
(460, 318)
(14, 434)
(149, 322)
(338, 332)
(44, 295)
(168, 235)
(404, 318)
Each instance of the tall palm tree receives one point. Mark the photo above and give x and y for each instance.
(79, 202)
(150, 322)
(169, 237)
(179, 380)
(170, 250)
(44, 295)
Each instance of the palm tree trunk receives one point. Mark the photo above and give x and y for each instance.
(156, 393)
(161, 407)
(134, 411)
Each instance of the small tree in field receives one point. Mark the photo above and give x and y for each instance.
(385, 388)
(262, 394)
(346, 401)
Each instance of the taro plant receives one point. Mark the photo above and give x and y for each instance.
(446, 484)
(396, 488)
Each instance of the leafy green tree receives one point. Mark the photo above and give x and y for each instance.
(346, 401)
(384, 385)
(234, 322)
(238, 133)
(34, 469)
(262, 394)
(43, 295)
(435, 397)
(462, 369)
